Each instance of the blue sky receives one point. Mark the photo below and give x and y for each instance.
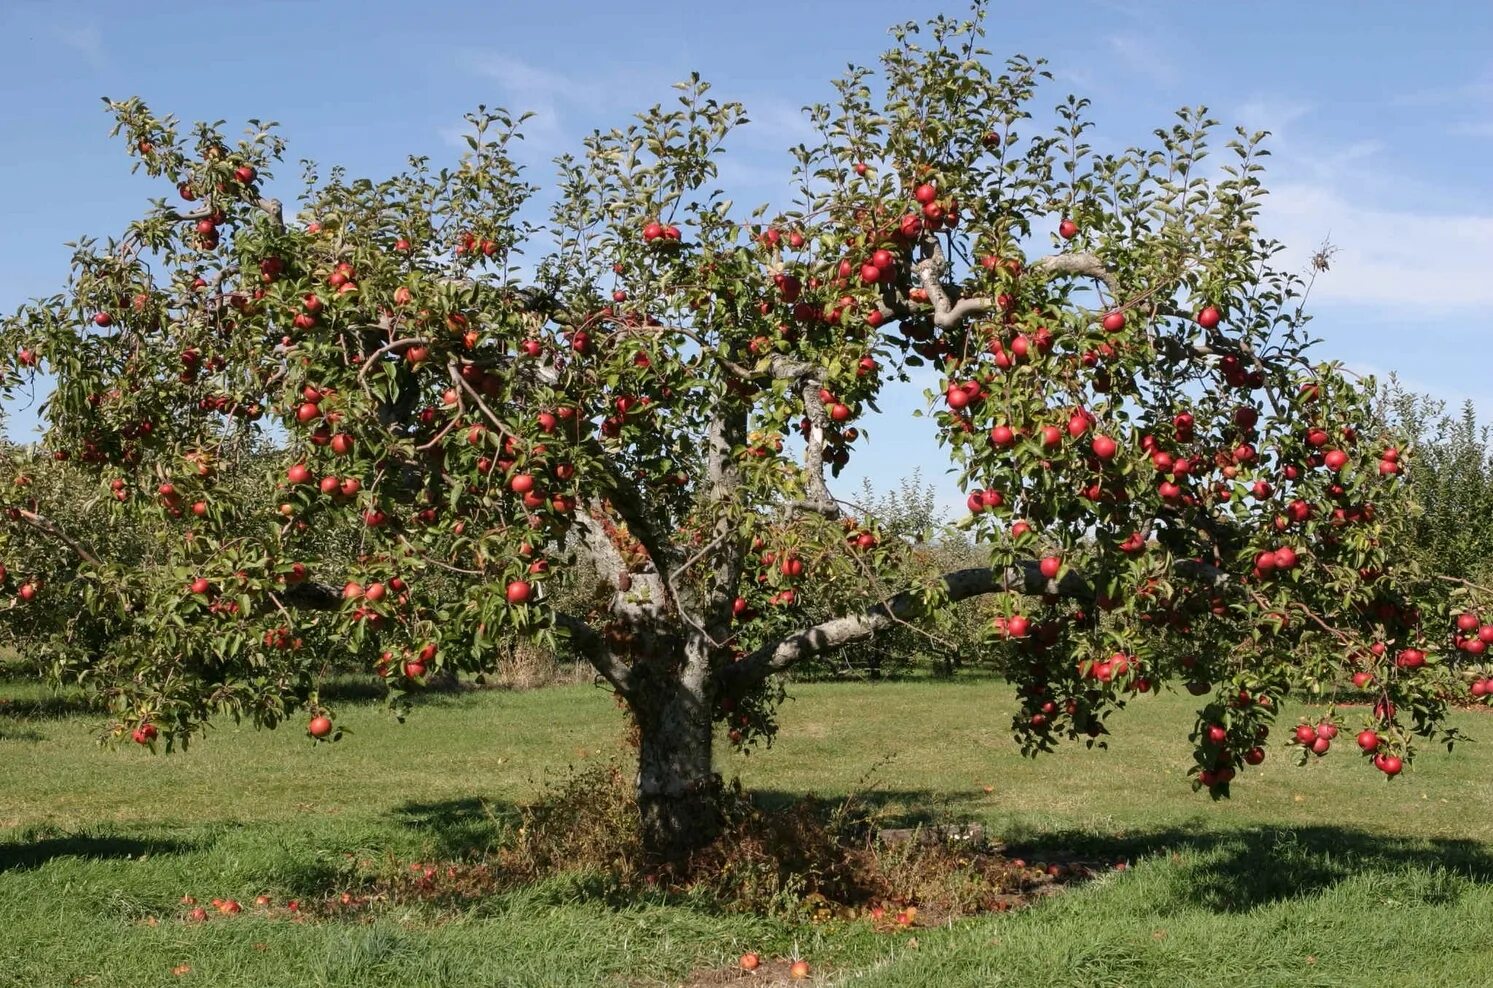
(1382, 115)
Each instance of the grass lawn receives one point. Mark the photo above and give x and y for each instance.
(1326, 875)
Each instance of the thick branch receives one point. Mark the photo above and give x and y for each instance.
(933, 268)
(272, 209)
(646, 602)
(1081, 264)
(726, 551)
(591, 645)
(628, 505)
(818, 417)
(1025, 578)
(622, 496)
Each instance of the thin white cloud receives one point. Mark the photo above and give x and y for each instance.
(777, 124)
(86, 41)
(1270, 113)
(1400, 246)
(1280, 116)
(1136, 10)
(1473, 128)
(1474, 90)
(1388, 258)
(1473, 100)
(1142, 57)
(543, 85)
(549, 96)
(564, 106)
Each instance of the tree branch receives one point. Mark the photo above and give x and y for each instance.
(628, 506)
(48, 527)
(726, 549)
(947, 313)
(273, 209)
(818, 417)
(593, 647)
(1024, 577)
(1081, 264)
(606, 558)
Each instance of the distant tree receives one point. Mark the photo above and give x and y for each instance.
(1451, 481)
(908, 511)
(943, 641)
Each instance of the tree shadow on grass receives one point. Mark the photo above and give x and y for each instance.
(887, 808)
(460, 827)
(1220, 870)
(51, 707)
(26, 853)
(1236, 870)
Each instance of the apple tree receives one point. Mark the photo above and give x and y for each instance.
(630, 374)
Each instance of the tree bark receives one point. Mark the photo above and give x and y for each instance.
(677, 789)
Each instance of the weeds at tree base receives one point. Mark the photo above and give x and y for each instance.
(815, 861)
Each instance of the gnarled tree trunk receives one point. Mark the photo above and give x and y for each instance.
(678, 790)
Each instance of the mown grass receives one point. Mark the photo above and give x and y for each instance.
(1315, 876)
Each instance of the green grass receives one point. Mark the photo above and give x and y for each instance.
(1315, 876)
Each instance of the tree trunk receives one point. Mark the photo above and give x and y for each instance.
(678, 793)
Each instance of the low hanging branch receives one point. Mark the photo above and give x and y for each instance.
(1024, 578)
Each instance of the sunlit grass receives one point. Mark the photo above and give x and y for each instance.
(1323, 875)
